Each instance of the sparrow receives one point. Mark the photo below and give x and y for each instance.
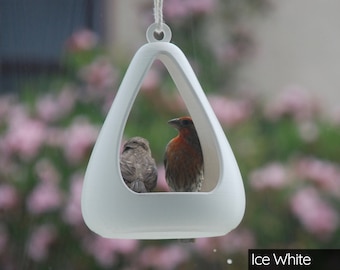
(137, 166)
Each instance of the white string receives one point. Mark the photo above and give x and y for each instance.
(158, 13)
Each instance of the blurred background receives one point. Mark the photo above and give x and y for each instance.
(270, 70)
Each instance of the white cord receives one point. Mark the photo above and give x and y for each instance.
(158, 13)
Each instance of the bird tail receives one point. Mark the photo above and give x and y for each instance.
(138, 186)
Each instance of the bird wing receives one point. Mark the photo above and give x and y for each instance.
(128, 170)
(151, 175)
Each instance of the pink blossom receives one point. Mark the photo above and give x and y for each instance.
(317, 216)
(294, 101)
(235, 241)
(79, 139)
(177, 9)
(8, 197)
(105, 250)
(41, 238)
(72, 212)
(82, 40)
(274, 175)
(161, 182)
(48, 109)
(168, 257)
(323, 173)
(24, 136)
(100, 74)
(17, 114)
(51, 108)
(230, 112)
(202, 7)
(45, 197)
(151, 80)
(206, 246)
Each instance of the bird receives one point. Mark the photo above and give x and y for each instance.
(183, 159)
(137, 166)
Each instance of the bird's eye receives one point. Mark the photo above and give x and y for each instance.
(185, 122)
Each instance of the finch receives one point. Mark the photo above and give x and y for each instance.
(183, 159)
(137, 166)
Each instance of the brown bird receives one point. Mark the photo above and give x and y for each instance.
(137, 166)
(183, 159)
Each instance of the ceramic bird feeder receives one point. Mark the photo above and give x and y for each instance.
(112, 210)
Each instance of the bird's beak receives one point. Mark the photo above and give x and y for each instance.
(174, 122)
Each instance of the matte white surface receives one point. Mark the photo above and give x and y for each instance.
(112, 210)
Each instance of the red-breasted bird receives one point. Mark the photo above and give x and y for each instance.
(183, 159)
(137, 166)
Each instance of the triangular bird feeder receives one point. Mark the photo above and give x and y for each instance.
(114, 211)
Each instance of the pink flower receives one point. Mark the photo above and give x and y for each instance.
(45, 197)
(82, 40)
(79, 139)
(24, 136)
(317, 216)
(8, 197)
(323, 173)
(206, 246)
(105, 250)
(72, 212)
(294, 101)
(230, 112)
(202, 7)
(41, 239)
(99, 74)
(161, 182)
(51, 108)
(273, 176)
(168, 257)
(48, 109)
(177, 9)
(151, 80)
(235, 241)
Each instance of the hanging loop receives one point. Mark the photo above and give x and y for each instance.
(152, 35)
(158, 31)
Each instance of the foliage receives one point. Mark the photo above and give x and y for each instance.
(287, 150)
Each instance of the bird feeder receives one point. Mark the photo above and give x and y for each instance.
(112, 210)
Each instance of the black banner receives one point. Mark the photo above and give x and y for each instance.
(294, 259)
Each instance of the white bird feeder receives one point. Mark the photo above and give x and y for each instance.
(112, 210)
